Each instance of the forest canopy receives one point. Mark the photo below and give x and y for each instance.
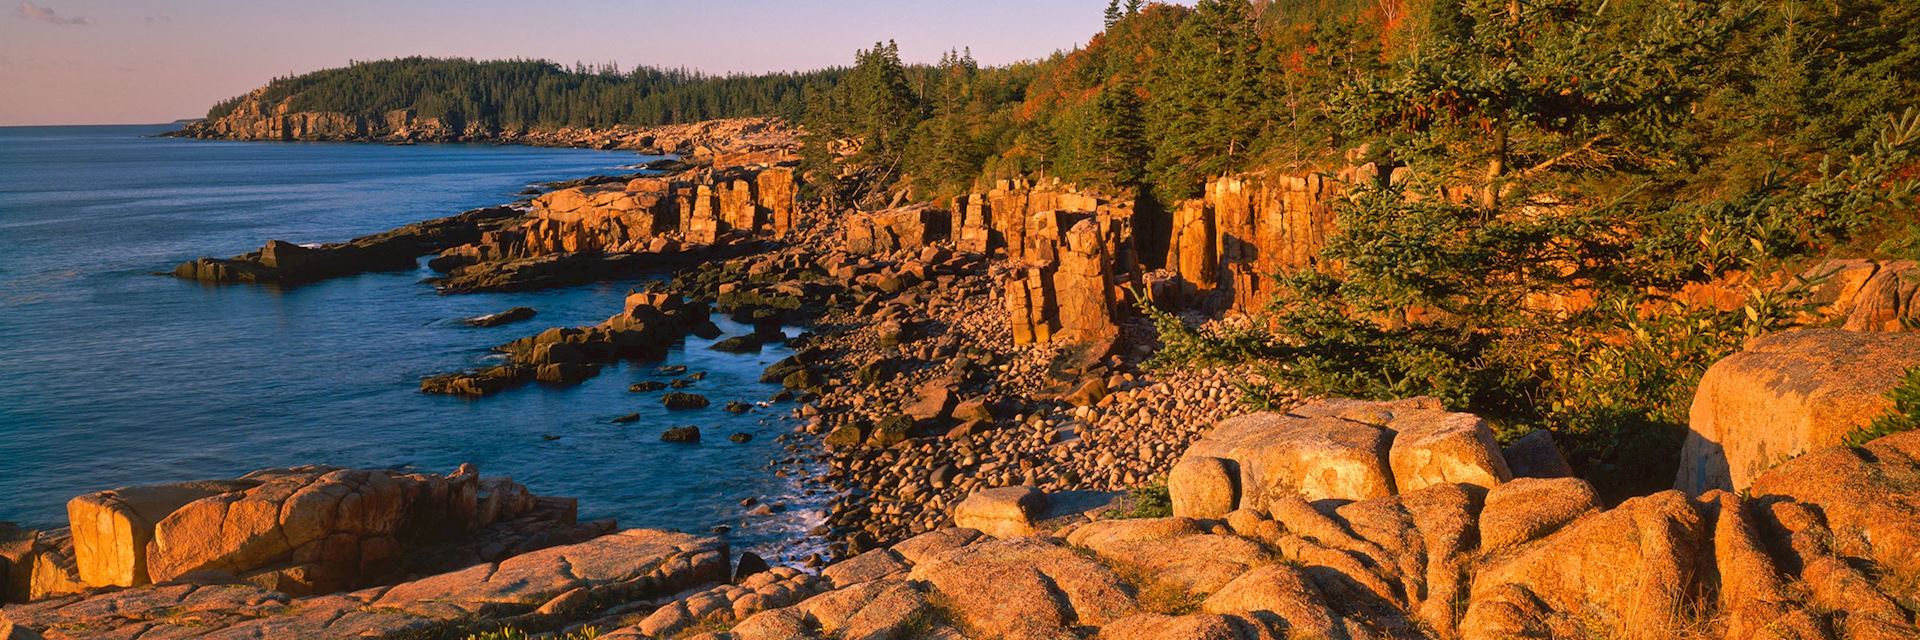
(526, 94)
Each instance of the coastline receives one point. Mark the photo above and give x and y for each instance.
(1017, 396)
(971, 407)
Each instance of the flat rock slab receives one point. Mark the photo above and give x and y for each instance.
(631, 565)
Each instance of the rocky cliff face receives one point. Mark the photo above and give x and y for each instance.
(580, 233)
(1069, 256)
(627, 217)
(1226, 246)
(738, 185)
(763, 140)
(1219, 253)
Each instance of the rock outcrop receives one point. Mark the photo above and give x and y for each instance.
(1072, 255)
(738, 183)
(547, 588)
(1529, 558)
(1337, 450)
(299, 531)
(585, 232)
(1870, 295)
(1784, 395)
(651, 322)
(1004, 512)
(398, 249)
(1069, 256)
(1247, 228)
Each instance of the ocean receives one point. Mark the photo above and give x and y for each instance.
(111, 375)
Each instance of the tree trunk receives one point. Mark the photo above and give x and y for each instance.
(1497, 165)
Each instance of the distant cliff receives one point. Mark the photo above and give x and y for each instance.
(522, 101)
(256, 119)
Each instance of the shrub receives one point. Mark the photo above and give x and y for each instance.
(1182, 345)
(1150, 501)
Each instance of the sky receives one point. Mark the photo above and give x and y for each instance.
(149, 61)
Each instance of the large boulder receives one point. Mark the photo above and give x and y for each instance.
(1003, 512)
(111, 528)
(313, 529)
(17, 549)
(1338, 450)
(1876, 296)
(1530, 508)
(1203, 486)
(1786, 394)
(1536, 456)
(909, 227)
(1278, 590)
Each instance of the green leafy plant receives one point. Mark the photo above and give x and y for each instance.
(1904, 416)
(1149, 501)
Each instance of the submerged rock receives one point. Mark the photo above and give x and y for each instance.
(749, 343)
(515, 314)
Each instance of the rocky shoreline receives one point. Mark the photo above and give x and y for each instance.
(970, 392)
(945, 350)
(1337, 519)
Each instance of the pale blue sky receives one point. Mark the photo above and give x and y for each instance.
(133, 61)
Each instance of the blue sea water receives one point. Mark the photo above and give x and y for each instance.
(111, 375)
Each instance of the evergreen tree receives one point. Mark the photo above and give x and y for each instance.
(1198, 123)
(874, 109)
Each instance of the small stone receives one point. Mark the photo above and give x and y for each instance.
(681, 434)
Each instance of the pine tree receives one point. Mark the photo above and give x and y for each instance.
(1199, 123)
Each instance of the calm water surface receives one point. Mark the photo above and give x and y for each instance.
(110, 375)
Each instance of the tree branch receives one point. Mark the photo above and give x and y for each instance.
(1535, 169)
